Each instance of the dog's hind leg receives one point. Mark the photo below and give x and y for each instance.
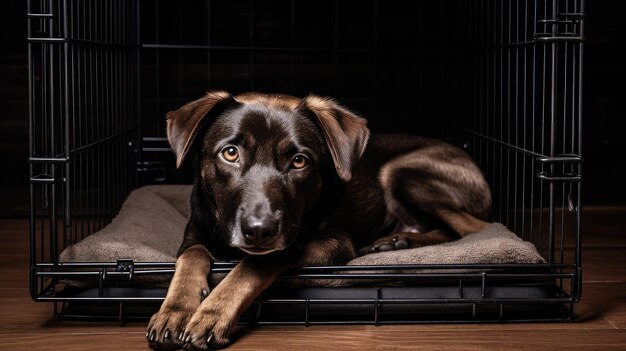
(439, 182)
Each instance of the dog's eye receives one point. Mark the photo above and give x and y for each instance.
(299, 161)
(230, 153)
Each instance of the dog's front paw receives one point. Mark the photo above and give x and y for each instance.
(209, 327)
(166, 327)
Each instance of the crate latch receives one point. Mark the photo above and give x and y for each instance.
(566, 159)
(126, 265)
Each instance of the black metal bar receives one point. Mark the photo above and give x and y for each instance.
(552, 21)
(501, 92)
(578, 244)
(230, 265)
(46, 179)
(563, 177)
(573, 39)
(481, 301)
(508, 120)
(66, 101)
(552, 131)
(516, 134)
(52, 125)
(156, 149)
(483, 284)
(504, 144)
(347, 322)
(40, 15)
(251, 55)
(379, 276)
(45, 40)
(533, 130)
(580, 14)
(32, 230)
(101, 276)
(376, 305)
(48, 159)
(121, 308)
(102, 141)
(560, 159)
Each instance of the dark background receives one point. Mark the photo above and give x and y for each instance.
(604, 93)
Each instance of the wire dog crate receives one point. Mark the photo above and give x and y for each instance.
(507, 73)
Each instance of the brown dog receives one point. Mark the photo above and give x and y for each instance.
(283, 182)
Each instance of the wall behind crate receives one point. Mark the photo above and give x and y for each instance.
(360, 52)
(13, 110)
(604, 74)
(354, 51)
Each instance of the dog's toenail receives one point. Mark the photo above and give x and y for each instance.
(401, 244)
(188, 339)
(205, 293)
(394, 239)
(153, 335)
(210, 339)
(386, 247)
(168, 335)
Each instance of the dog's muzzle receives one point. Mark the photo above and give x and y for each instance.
(259, 230)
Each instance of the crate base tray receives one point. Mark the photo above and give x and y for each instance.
(346, 305)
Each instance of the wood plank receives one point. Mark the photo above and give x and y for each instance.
(607, 300)
(604, 227)
(378, 339)
(601, 264)
(373, 339)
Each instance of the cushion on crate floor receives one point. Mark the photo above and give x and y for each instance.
(151, 223)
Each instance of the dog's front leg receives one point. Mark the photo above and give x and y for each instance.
(213, 321)
(216, 317)
(187, 290)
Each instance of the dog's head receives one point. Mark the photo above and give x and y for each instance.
(263, 160)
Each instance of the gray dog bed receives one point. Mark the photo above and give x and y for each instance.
(151, 223)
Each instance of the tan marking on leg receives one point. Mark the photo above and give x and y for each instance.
(462, 222)
(432, 237)
(184, 295)
(334, 249)
(219, 313)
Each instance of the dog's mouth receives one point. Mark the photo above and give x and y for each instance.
(257, 250)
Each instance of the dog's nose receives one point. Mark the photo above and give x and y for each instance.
(257, 230)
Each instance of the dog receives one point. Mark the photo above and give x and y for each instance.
(283, 182)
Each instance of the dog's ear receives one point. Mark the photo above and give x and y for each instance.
(346, 134)
(184, 124)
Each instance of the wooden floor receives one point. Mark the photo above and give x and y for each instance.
(600, 325)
